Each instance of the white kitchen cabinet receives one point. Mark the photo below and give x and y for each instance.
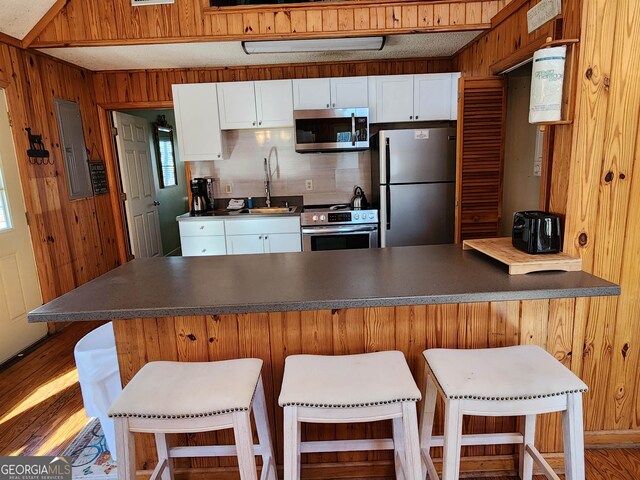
(238, 236)
(282, 242)
(202, 237)
(203, 246)
(311, 93)
(432, 96)
(263, 235)
(274, 103)
(393, 98)
(237, 103)
(197, 123)
(321, 93)
(266, 104)
(245, 244)
(349, 92)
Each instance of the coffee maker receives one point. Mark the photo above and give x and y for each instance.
(200, 201)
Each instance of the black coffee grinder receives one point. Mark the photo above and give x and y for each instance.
(200, 202)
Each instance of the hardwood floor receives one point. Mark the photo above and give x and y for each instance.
(41, 409)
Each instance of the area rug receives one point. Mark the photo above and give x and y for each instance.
(89, 454)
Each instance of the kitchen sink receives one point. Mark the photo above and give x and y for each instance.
(263, 210)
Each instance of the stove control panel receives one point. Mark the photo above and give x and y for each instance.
(350, 217)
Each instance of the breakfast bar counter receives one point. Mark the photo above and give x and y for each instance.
(333, 303)
(389, 277)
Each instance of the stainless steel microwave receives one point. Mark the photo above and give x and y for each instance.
(338, 129)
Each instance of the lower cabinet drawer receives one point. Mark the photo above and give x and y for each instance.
(202, 246)
(197, 228)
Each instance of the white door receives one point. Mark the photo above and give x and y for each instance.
(349, 92)
(274, 103)
(237, 105)
(394, 98)
(141, 206)
(312, 93)
(197, 122)
(19, 287)
(432, 96)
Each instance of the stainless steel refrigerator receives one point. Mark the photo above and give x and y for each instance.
(413, 184)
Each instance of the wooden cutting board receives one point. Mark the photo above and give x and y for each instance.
(520, 262)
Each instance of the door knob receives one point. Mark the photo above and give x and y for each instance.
(156, 203)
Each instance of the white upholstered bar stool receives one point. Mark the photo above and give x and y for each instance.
(190, 397)
(351, 389)
(511, 381)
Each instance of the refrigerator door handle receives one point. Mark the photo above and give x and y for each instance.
(353, 129)
(387, 161)
(388, 212)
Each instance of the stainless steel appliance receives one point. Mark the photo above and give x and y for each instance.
(200, 201)
(537, 232)
(413, 180)
(338, 228)
(341, 129)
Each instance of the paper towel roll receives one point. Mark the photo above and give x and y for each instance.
(547, 80)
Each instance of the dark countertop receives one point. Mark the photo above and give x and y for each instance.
(175, 286)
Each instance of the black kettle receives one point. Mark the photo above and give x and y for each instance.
(359, 200)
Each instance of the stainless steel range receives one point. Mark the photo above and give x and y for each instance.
(338, 227)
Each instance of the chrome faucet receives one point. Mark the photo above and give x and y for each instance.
(267, 181)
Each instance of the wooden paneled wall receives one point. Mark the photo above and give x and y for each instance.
(273, 336)
(152, 86)
(117, 22)
(74, 241)
(594, 164)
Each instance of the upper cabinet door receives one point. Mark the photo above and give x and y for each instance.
(237, 102)
(197, 122)
(432, 96)
(274, 103)
(349, 92)
(394, 98)
(311, 93)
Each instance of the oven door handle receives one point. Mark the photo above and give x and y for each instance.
(331, 230)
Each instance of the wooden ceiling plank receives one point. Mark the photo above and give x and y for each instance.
(44, 21)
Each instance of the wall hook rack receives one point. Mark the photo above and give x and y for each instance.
(38, 154)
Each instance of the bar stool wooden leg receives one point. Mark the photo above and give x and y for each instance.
(163, 456)
(426, 426)
(264, 436)
(244, 445)
(412, 441)
(292, 433)
(398, 448)
(125, 449)
(452, 440)
(529, 435)
(573, 436)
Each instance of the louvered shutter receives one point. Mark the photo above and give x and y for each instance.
(482, 111)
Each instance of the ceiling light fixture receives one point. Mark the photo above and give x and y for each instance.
(314, 45)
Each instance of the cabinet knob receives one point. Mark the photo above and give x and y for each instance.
(253, 123)
(204, 250)
(416, 117)
(411, 117)
(328, 105)
(260, 237)
(218, 155)
(266, 237)
(333, 105)
(202, 227)
(259, 123)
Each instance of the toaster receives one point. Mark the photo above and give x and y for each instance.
(536, 232)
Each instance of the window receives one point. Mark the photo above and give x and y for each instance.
(163, 136)
(5, 218)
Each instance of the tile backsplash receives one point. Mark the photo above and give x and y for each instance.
(333, 174)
